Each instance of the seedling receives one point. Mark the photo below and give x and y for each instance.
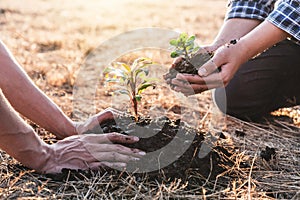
(130, 80)
(192, 58)
(184, 46)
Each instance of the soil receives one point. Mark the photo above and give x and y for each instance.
(157, 133)
(268, 153)
(188, 67)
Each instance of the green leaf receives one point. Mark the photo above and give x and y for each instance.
(123, 91)
(143, 87)
(115, 72)
(191, 39)
(138, 97)
(189, 44)
(174, 54)
(124, 66)
(113, 80)
(190, 47)
(107, 70)
(141, 66)
(180, 52)
(141, 63)
(139, 71)
(196, 49)
(174, 42)
(183, 37)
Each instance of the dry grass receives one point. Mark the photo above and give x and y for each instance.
(51, 39)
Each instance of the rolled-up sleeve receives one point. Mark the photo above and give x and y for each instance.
(286, 16)
(250, 9)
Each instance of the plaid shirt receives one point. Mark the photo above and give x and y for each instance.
(286, 15)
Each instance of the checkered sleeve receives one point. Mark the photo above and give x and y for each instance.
(286, 16)
(250, 9)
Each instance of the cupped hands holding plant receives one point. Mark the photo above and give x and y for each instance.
(227, 58)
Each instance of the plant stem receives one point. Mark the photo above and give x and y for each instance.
(133, 98)
(134, 105)
(186, 54)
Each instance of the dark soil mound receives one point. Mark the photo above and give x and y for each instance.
(172, 149)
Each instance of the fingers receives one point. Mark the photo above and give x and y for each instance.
(104, 164)
(184, 80)
(123, 139)
(95, 121)
(114, 148)
(188, 79)
(107, 114)
(114, 157)
(91, 151)
(177, 61)
(112, 153)
(208, 68)
(192, 84)
(168, 76)
(109, 138)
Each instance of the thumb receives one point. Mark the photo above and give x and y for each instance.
(208, 68)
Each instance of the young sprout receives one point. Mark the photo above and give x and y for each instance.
(184, 45)
(130, 80)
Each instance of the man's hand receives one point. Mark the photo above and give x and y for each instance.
(96, 120)
(217, 72)
(90, 152)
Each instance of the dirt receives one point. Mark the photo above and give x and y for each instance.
(154, 135)
(268, 154)
(51, 40)
(188, 66)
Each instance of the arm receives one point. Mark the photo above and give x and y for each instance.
(77, 152)
(279, 24)
(28, 100)
(32, 103)
(18, 139)
(241, 18)
(229, 58)
(240, 26)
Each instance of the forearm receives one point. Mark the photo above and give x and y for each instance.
(233, 29)
(262, 37)
(28, 100)
(19, 140)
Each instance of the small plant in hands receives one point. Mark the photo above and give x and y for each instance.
(130, 80)
(184, 46)
(192, 57)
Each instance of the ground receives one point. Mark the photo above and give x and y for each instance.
(51, 40)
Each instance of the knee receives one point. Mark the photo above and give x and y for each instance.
(220, 100)
(232, 103)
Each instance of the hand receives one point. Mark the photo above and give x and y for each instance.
(90, 152)
(211, 48)
(168, 77)
(204, 49)
(217, 72)
(97, 119)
